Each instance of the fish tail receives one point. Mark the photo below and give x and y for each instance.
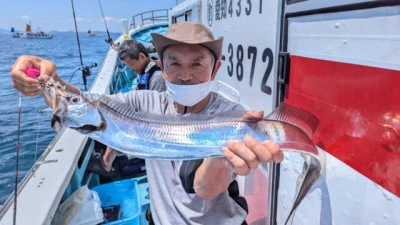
(313, 169)
(296, 116)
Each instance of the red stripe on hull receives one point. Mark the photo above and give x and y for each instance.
(359, 112)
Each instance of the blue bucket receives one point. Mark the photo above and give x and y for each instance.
(120, 202)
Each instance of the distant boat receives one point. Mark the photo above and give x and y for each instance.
(39, 34)
(15, 34)
(90, 33)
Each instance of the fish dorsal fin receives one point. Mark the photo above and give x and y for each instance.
(296, 116)
(128, 111)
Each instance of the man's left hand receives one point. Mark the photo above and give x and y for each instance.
(246, 156)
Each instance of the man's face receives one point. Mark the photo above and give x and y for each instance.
(188, 64)
(136, 65)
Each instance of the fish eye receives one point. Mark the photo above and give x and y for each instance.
(75, 99)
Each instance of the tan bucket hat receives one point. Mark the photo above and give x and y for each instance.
(188, 33)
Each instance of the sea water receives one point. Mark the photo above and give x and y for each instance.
(36, 133)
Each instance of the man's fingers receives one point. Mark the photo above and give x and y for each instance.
(25, 84)
(46, 67)
(262, 153)
(47, 70)
(256, 114)
(25, 81)
(244, 153)
(274, 150)
(27, 90)
(18, 72)
(240, 166)
(253, 116)
(25, 62)
(28, 84)
(246, 157)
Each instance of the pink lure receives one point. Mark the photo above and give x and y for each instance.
(33, 73)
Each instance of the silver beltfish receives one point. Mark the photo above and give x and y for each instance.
(184, 137)
(175, 137)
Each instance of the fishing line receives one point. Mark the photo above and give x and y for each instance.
(109, 39)
(16, 172)
(17, 161)
(73, 74)
(38, 130)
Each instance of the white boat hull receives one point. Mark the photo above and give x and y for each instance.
(36, 36)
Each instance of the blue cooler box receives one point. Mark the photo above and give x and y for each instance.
(120, 202)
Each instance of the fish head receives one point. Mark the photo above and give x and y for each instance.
(79, 112)
(52, 91)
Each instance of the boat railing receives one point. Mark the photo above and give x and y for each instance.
(149, 17)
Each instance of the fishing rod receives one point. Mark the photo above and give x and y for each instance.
(86, 70)
(109, 40)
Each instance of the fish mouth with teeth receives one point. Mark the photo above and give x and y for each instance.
(61, 101)
(57, 121)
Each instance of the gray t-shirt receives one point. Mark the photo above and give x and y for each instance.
(156, 81)
(169, 202)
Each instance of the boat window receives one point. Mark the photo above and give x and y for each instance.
(187, 16)
(179, 19)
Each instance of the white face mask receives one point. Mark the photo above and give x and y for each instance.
(188, 95)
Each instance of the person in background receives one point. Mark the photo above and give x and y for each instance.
(200, 191)
(115, 45)
(135, 56)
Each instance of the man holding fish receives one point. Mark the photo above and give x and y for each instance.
(199, 191)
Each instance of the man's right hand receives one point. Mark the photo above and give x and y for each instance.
(27, 85)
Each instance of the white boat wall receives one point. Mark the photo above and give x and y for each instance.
(332, 58)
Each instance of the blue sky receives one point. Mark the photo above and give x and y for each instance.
(56, 15)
